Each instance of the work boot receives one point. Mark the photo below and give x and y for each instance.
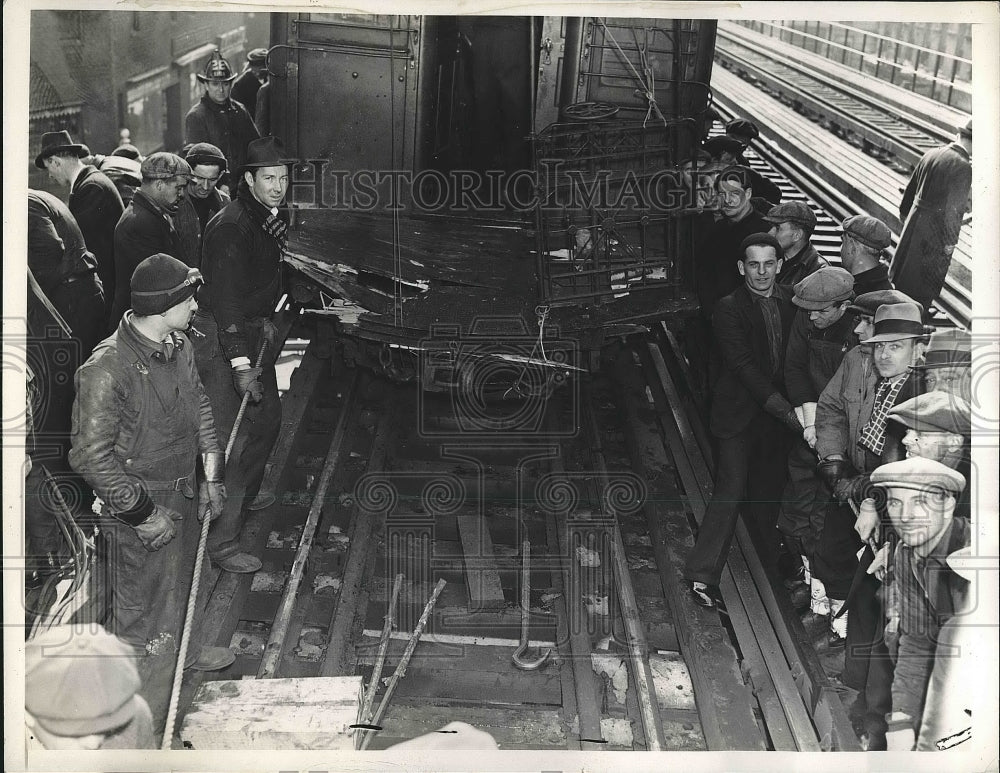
(262, 500)
(238, 563)
(212, 659)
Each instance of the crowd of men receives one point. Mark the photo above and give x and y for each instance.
(841, 422)
(841, 418)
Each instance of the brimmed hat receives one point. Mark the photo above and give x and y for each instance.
(161, 282)
(266, 151)
(164, 166)
(870, 231)
(796, 212)
(740, 127)
(79, 682)
(948, 349)
(896, 322)
(257, 55)
(824, 287)
(934, 412)
(59, 142)
(122, 168)
(867, 303)
(205, 153)
(918, 472)
(217, 69)
(716, 146)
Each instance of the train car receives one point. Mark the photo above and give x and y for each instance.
(511, 186)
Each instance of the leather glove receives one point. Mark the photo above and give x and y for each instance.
(157, 530)
(212, 490)
(248, 380)
(851, 489)
(791, 421)
(830, 471)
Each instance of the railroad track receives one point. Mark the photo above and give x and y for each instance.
(881, 129)
(379, 480)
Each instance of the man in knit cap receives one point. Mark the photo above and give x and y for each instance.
(81, 692)
(141, 424)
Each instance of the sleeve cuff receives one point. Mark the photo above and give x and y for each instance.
(237, 362)
(139, 512)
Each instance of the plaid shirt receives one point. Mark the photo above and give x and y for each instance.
(873, 433)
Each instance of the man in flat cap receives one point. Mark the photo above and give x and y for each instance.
(933, 205)
(81, 692)
(865, 239)
(822, 333)
(920, 501)
(254, 76)
(750, 415)
(217, 118)
(947, 365)
(93, 200)
(241, 259)
(202, 199)
(793, 224)
(853, 437)
(147, 226)
(141, 424)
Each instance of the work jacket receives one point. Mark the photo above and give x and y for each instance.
(189, 228)
(228, 126)
(97, 206)
(813, 355)
(141, 415)
(803, 263)
(57, 252)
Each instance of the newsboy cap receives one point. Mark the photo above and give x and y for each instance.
(257, 55)
(164, 166)
(161, 282)
(79, 682)
(918, 472)
(935, 412)
(867, 304)
(949, 349)
(868, 230)
(824, 287)
(742, 128)
(205, 153)
(796, 212)
(896, 322)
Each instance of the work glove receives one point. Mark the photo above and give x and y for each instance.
(851, 489)
(832, 471)
(211, 490)
(157, 530)
(248, 380)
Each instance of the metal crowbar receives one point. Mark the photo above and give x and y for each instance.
(518, 656)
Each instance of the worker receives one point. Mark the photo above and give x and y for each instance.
(750, 416)
(852, 439)
(727, 151)
(254, 76)
(921, 496)
(866, 304)
(933, 206)
(821, 334)
(745, 132)
(217, 119)
(202, 199)
(126, 174)
(865, 238)
(793, 224)
(141, 422)
(147, 226)
(93, 199)
(81, 692)
(947, 366)
(241, 259)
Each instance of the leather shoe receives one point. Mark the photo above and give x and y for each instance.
(238, 563)
(703, 595)
(213, 659)
(835, 640)
(262, 500)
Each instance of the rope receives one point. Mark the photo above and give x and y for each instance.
(175, 692)
(647, 83)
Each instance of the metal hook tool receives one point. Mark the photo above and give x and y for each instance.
(518, 656)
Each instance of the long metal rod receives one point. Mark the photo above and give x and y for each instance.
(404, 661)
(638, 648)
(275, 643)
(383, 648)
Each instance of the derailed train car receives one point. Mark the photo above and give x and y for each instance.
(489, 200)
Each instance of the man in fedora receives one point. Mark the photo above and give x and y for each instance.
(865, 239)
(203, 198)
(93, 200)
(254, 76)
(921, 496)
(793, 224)
(866, 304)
(933, 205)
(217, 118)
(947, 366)
(141, 424)
(853, 437)
(147, 226)
(241, 260)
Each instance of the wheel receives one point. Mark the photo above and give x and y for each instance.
(589, 111)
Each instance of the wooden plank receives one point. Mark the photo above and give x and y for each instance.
(274, 714)
(538, 688)
(481, 575)
(443, 656)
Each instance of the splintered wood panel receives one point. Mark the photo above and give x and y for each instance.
(274, 714)
(481, 575)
